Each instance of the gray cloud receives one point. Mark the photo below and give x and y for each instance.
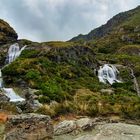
(44, 20)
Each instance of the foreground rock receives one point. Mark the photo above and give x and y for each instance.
(99, 130)
(28, 127)
(77, 126)
(114, 131)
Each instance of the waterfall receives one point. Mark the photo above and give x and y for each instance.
(9, 92)
(136, 85)
(108, 73)
(13, 52)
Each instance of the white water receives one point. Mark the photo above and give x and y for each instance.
(108, 73)
(13, 52)
(9, 92)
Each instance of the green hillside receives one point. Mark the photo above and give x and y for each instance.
(130, 18)
(66, 72)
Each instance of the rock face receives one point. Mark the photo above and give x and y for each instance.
(75, 53)
(7, 33)
(28, 127)
(114, 131)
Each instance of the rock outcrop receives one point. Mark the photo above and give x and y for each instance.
(28, 127)
(106, 131)
(65, 127)
(69, 126)
(7, 33)
(77, 53)
(116, 131)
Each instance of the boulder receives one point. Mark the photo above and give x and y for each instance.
(65, 127)
(28, 127)
(84, 123)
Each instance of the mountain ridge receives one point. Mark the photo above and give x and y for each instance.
(107, 27)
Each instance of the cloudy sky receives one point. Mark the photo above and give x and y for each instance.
(45, 20)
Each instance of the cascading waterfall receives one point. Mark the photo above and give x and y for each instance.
(108, 73)
(13, 52)
(9, 92)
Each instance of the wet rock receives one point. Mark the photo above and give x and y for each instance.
(28, 127)
(4, 98)
(6, 105)
(65, 127)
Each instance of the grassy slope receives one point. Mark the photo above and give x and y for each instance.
(58, 74)
(71, 82)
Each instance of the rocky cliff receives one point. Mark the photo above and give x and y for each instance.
(7, 33)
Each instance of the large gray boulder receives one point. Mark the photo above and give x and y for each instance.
(114, 131)
(28, 127)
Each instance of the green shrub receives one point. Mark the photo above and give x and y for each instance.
(30, 53)
(32, 74)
